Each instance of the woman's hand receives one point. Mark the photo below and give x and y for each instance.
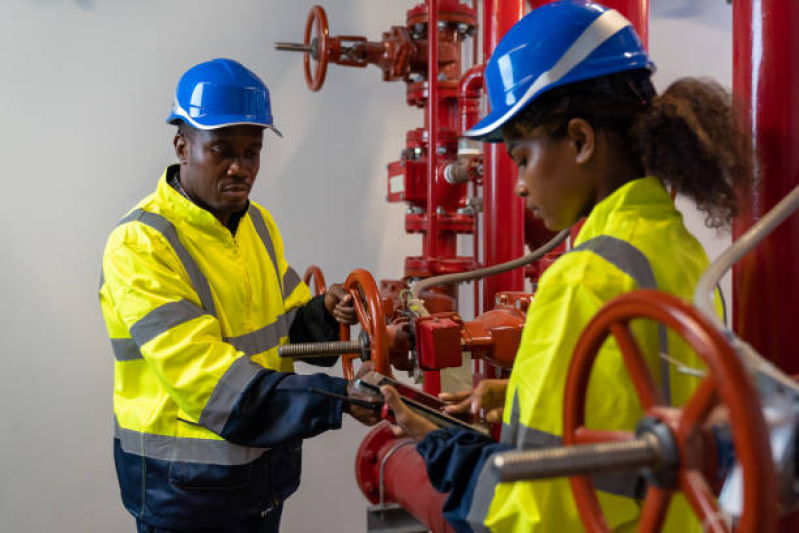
(486, 401)
(406, 421)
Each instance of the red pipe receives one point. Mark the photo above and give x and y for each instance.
(404, 477)
(766, 85)
(469, 95)
(503, 211)
(432, 130)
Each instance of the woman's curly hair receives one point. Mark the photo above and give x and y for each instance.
(689, 136)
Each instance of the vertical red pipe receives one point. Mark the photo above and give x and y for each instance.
(636, 11)
(432, 134)
(503, 211)
(766, 86)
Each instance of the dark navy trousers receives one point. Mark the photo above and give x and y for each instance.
(268, 523)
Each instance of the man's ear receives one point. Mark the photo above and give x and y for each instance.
(181, 148)
(582, 138)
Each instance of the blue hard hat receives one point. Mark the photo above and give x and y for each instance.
(221, 93)
(556, 44)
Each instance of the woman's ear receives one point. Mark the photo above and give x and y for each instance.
(582, 139)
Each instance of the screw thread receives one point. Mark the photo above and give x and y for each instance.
(319, 349)
(576, 460)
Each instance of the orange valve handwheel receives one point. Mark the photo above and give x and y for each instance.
(315, 272)
(373, 323)
(726, 383)
(320, 43)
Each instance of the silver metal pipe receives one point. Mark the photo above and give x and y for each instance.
(703, 296)
(582, 459)
(493, 270)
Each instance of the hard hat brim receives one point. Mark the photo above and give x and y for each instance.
(220, 122)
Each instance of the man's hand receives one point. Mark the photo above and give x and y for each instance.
(339, 304)
(408, 422)
(486, 401)
(361, 414)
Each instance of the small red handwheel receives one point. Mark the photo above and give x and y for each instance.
(315, 272)
(726, 383)
(373, 323)
(317, 20)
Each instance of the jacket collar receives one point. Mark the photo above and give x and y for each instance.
(181, 207)
(643, 197)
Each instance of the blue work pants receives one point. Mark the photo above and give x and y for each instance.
(268, 523)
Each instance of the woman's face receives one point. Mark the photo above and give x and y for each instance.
(549, 180)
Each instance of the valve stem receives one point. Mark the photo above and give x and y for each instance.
(295, 47)
(320, 349)
(582, 459)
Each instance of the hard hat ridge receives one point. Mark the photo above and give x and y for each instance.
(556, 44)
(221, 93)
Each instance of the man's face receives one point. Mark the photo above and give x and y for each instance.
(218, 167)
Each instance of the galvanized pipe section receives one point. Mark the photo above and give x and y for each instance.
(578, 460)
(320, 349)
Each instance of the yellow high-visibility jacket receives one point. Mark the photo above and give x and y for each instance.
(208, 419)
(635, 238)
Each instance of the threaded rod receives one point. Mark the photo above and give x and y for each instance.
(577, 460)
(294, 47)
(320, 349)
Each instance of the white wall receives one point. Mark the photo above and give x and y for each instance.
(84, 88)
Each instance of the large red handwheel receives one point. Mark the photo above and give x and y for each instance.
(315, 272)
(317, 20)
(726, 383)
(373, 323)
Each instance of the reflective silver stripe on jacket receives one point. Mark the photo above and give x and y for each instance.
(290, 282)
(227, 392)
(162, 319)
(167, 229)
(260, 227)
(189, 450)
(634, 263)
(253, 343)
(263, 339)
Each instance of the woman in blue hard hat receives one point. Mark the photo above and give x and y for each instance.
(197, 297)
(571, 97)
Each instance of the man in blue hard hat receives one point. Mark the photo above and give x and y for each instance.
(197, 297)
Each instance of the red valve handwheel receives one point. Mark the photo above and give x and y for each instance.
(726, 383)
(315, 272)
(372, 321)
(317, 19)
